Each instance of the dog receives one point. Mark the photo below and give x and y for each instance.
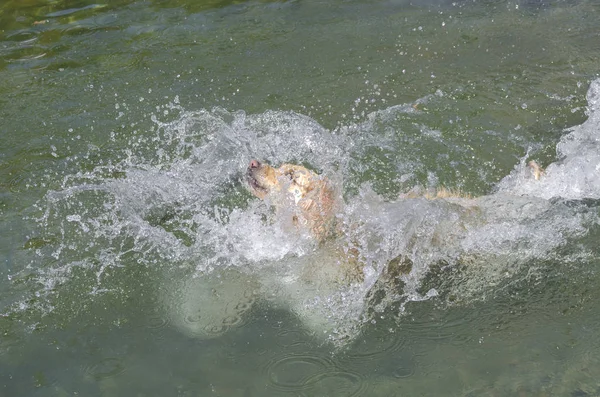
(313, 203)
(347, 258)
(314, 197)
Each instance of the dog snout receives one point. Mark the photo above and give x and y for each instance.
(254, 164)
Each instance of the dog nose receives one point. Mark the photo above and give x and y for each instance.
(254, 164)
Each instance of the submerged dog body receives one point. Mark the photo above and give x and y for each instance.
(359, 266)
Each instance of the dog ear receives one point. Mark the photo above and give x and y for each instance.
(300, 175)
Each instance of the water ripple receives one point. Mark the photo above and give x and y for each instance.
(207, 330)
(23, 37)
(293, 373)
(209, 324)
(22, 45)
(290, 338)
(340, 383)
(372, 348)
(106, 368)
(314, 375)
(157, 320)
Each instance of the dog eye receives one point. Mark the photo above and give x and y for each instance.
(291, 176)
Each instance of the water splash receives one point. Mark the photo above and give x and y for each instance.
(575, 175)
(173, 201)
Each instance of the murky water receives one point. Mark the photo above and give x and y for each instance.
(135, 261)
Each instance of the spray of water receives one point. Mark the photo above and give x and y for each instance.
(174, 201)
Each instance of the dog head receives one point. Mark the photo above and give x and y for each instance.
(310, 194)
(264, 180)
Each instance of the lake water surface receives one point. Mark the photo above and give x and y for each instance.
(134, 262)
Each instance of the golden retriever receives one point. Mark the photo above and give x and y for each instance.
(314, 198)
(313, 203)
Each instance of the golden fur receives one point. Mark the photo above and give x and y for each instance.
(536, 170)
(295, 187)
(313, 202)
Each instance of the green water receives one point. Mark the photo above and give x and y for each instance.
(87, 92)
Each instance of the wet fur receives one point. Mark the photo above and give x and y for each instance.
(314, 203)
(310, 197)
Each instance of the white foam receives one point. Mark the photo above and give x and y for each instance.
(577, 173)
